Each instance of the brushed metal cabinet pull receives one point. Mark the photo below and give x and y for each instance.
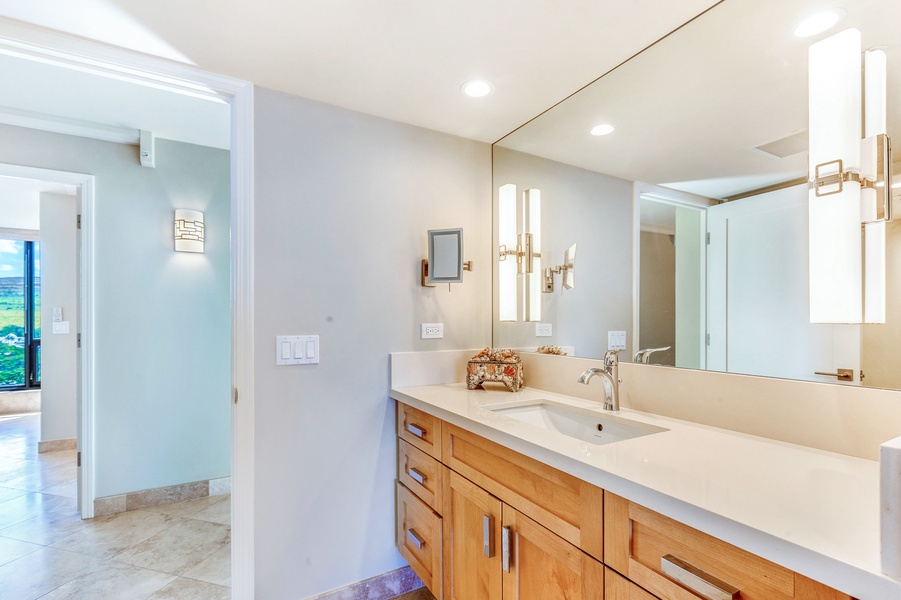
(704, 584)
(416, 430)
(505, 549)
(417, 475)
(488, 536)
(415, 538)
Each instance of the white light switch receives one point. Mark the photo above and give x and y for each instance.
(616, 340)
(57, 314)
(296, 350)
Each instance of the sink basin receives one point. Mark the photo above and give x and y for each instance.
(581, 424)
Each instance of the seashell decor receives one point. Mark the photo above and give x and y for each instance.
(495, 364)
(551, 350)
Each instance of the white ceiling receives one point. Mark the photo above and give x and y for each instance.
(400, 59)
(690, 111)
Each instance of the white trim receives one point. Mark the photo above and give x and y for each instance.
(660, 194)
(85, 184)
(49, 46)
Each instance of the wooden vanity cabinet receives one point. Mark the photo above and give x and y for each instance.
(670, 559)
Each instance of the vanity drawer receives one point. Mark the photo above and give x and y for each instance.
(656, 552)
(566, 505)
(421, 474)
(420, 429)
(419, 538)
(617, 587)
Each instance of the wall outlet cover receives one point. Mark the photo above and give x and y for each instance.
(543, 329)
(431, 331)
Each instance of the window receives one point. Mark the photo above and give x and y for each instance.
(20, 314)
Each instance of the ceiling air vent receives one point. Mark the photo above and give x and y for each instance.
(792, 144)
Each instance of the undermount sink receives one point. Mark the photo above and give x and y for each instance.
(582, 424)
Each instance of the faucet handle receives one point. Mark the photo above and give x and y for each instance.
(611, 358)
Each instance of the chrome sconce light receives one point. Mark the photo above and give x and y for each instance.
(522, 243)
(189, 230)
(850, 183)
(567, 270)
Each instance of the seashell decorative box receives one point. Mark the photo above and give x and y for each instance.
(502, 365)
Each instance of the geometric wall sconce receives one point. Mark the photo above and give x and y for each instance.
(188, 230)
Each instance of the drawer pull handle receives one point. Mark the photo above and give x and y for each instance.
(416, 430)
(705, 585)
(488, 536)
(417, 475)
(505, 549)
(415, 538)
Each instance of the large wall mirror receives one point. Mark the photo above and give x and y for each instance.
(691, 215)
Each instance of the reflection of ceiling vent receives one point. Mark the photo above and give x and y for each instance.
(789, 145)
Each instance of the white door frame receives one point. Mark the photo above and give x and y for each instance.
(47, 46)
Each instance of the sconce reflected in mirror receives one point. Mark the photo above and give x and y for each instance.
(519, 238)
(567, 270)
(445, 263)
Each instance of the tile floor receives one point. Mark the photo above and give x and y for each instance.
(47, 551)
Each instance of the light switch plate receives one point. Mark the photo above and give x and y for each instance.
(296, 350)
(616, 340)
(543, 329)
(431, 331)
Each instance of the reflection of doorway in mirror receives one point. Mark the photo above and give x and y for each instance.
(671, 281)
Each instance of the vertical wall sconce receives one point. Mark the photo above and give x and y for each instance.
(188, 230)
(850, 188)
(507, 239)
(519, 254)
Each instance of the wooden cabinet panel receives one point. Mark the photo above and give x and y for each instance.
(568, 506)
(638, 538)
(420, 429)
(421, 474)
(543, 565)
(618, 587)
(419, 538)
(472, 561)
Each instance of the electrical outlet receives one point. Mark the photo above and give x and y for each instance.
(431, 331)
(543, 330)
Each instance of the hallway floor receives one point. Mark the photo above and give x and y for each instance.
(47, 551)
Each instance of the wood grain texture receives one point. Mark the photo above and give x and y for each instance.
(549, 496)
(411, 459)
(618, 587)
(414, 515)
(808, 589)
(430, 441)
(469, 574)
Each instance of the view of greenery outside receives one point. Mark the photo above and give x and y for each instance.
(12, 325)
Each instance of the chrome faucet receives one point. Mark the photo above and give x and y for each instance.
(610, 375)
(643, 356)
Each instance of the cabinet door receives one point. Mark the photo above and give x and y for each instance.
(472, 559)
(542, 565)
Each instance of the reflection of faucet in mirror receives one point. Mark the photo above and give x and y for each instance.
(610, 375)
(643, 356)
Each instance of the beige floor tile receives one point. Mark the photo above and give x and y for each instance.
(39, 478)
(10, 493)
(179, 548)
(69, 489)
(112, 580)
(30, 505)
(187, 508)
(217, 513)
(48, 526)
(107, 537)
(215, 569)
(42, 571)
(11, 549)
(190, 589)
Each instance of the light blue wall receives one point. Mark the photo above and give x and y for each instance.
(162, 319)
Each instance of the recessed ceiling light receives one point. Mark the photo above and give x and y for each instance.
(477, 88)
(603, 129)
(817, 23)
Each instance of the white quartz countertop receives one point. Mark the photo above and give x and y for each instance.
(812, 511)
